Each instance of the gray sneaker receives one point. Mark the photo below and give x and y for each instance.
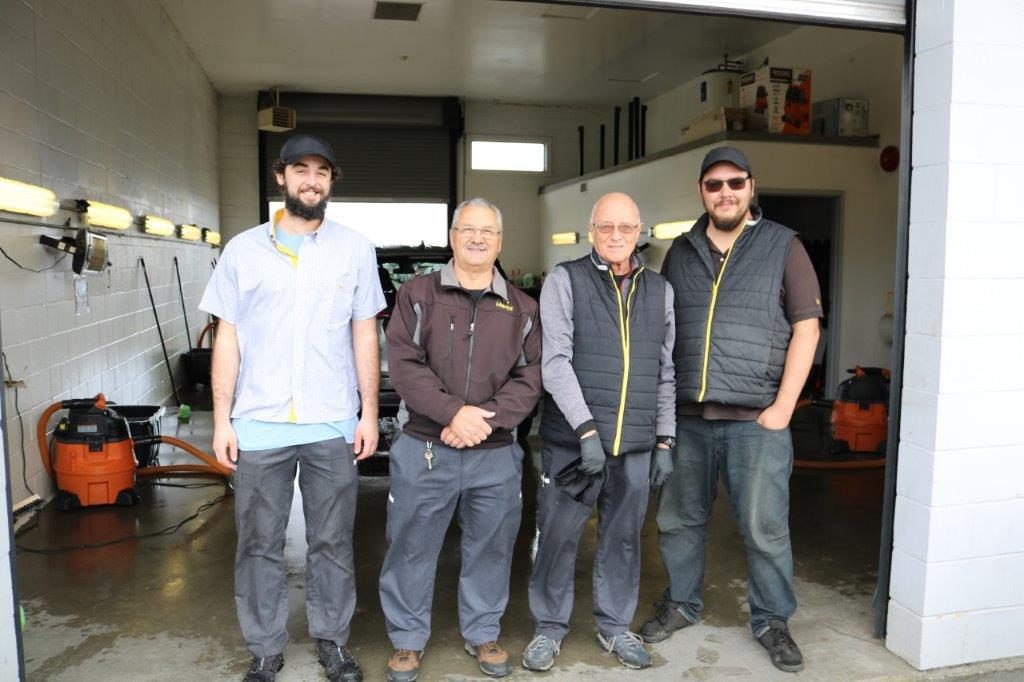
(629, 649)
(540, 653)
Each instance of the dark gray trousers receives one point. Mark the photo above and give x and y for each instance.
(484, 484)
(621, 508)
(264, 483)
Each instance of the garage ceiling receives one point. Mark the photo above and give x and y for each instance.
(476, 49)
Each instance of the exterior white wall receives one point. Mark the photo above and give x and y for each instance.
(516, 194)
(845, 63)
(238, 164)
(99, 100)
(956, 593)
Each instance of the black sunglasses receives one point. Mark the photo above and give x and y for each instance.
(714, 185)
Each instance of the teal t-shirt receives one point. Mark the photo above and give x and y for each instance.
(260, 435)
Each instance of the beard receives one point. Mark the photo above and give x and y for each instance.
(728, 225)
(294, 205)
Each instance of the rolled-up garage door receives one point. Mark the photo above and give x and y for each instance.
(887, 15)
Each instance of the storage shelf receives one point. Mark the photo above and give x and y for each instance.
(724, 136)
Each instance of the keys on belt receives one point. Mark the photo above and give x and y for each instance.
(429, 455)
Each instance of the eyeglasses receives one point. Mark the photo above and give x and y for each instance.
(714, 185)
(488, 233)
(624, 228)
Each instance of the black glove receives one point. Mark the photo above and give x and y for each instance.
(592, 454)
(661, 466)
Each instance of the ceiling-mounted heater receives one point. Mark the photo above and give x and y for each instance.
(275, 118)
(88, 250)
(719, 86)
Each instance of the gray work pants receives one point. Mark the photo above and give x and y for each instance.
(484, 484)
(621, 508)
(264, 483)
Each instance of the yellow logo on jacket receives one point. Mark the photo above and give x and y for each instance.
(504, 306)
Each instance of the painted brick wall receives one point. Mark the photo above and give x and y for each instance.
(100, 100)
(956, 592)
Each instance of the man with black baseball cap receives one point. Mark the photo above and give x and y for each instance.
(295, 376)
(747, 304)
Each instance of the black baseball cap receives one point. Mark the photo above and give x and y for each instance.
(725, 154)
(297, 146)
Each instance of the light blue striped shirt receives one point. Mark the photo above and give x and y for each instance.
(294, 321)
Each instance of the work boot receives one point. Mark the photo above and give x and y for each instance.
(492, 659)
(784, 652)
(540, 653)
(263, 669)
(628, 648)
(404, 665)
(668, 617)
(338, 663)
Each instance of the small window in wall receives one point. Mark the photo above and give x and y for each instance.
(493, 155)
(387, 223)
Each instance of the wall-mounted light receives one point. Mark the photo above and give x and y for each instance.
(210, 237)
(190, 232)
(565, 238)
(158, 227)
(20, 197)
(98, 214)
(673, 229)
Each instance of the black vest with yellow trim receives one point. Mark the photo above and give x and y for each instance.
(731, 335)
(617, 365)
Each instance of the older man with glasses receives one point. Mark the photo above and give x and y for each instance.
(608, 335)
(747, 309)
(464, 355)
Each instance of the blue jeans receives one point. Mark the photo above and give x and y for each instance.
(755, 464)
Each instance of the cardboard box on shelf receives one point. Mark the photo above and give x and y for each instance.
(725, 118)
(778, 99)
(842, 116)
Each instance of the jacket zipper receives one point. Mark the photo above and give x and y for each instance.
(624, 339)
(469, 360)
(451, 336)
(711, 316)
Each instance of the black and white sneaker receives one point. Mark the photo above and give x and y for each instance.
(784, 652)
(264, 669)
(338, 663)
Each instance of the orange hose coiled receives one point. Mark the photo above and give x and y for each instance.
(212, 465)
(44, 450)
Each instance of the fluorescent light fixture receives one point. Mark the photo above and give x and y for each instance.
(159, 227)
(508, 156)
(565, 238)
(190, 232)
(210, 237)
(673, 229)
(98, 214)
(19, 197)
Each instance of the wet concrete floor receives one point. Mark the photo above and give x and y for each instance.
(162, 608)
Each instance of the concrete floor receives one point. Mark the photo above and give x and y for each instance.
(162, 608)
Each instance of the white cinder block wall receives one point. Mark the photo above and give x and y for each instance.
(238, 163)
(957, 594)
(99, 100)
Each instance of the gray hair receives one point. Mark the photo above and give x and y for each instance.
(479, 202)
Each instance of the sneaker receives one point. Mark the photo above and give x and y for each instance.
(540, 653)
(668, 617)
(629, 649)
(404, 665)
(781, 648)
(264, 669)
(338, 663)
(492, 658)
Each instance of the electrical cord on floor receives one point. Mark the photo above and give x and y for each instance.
(170, 530)
(19, 265)
(185, 485)
(21, 422)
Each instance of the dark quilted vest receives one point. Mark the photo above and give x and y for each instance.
(749, 330)
(598, 358)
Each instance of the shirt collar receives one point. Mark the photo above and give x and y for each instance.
(276, 218)
(636, 261)
(498, 284)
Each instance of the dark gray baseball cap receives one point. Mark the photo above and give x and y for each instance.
(725, 154)
(297, 146)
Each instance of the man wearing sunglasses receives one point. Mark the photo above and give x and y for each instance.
(464, 355)
(608, 337)
(747, 309)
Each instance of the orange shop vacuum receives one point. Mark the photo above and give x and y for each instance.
(93, 460)
(860, 413)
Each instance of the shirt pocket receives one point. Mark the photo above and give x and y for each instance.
(340, 298)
